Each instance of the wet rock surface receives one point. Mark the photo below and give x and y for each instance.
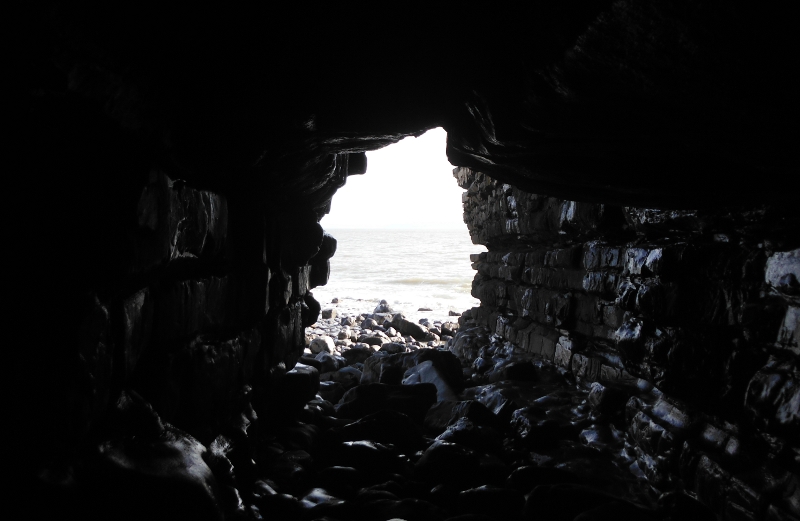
(164, 218)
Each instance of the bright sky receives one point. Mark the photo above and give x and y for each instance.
(407, 185)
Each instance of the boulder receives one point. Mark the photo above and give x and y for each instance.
(497, 502)
(347, 376)
(406, 327)
(411, 400)
(448, 463)
(331, 391)
(513, 369)
(373, 340)
(477, 437)
(427, 372)
(447, 365)
(385, 426)
(449, 328)
(321, 344)
(446, 413)
(383, 307)
(358, 353)
(327, 362)
(393, 348)
(294, 389)
(329, 313)
(151, 471)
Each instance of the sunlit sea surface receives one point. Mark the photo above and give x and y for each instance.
(410, 269)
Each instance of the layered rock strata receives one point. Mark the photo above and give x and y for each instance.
(688, 318)
(173, 165)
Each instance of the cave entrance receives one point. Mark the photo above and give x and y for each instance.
(401, 235)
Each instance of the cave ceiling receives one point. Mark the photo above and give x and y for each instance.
(658, 103)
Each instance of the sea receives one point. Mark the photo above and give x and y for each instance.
(410, 269)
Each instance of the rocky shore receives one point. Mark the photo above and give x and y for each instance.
(436, 420)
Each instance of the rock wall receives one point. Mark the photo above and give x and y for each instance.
(173, 164)
(691, 315)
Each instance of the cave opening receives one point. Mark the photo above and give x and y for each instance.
(400, 232)
(633, 350)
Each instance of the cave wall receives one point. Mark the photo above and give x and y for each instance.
(175, 164)
(691, 316)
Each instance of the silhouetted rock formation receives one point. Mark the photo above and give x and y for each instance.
(683, 322)
(175, 163)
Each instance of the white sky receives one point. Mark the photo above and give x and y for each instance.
(407, 185)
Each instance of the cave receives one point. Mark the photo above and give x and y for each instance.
(627, 165)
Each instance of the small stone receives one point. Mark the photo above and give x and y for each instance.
(327, 362)
(383, 307)
(329, 313)
(334, 300)
(393, 348)
(372, 340)
(369, 323)
(424, 309)
(322, 343)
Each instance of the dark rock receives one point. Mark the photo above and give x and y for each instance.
(385, 426)
(427, 372)
(358, 353)
(280, 506)
(341, 481)
(502, 503)
(373, 458)
(411, 400)
(322, 344)
(532, 425)
(679, 505)
(607, 399)
(772, 396)
(311, 361)
(566, 502)
(393, 348)
(292, 470)
(154, 477)
(372, 340)
(187, 186)
(410, 508)
(445, 363)
(295, 389)
(454, 313)
(616, 510)
(526, 478)
(450, 328)
(349, 377)
(318, 502)
(383, 307)
(510, 369)
(444, 462)
(327, 362)
(477, 437)
(446, 413)
(329, 313)
(331, 391)
(406, 327)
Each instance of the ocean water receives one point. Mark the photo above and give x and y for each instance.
(410, 269)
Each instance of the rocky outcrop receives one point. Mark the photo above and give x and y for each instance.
(685, 320)
(174, 164)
